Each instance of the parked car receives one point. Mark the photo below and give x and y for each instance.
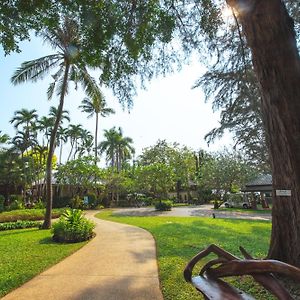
(238, 200)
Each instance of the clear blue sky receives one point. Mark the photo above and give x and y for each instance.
(169, 109)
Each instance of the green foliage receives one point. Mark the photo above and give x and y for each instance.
(19, 225)
(81, 173)
(72, 227)
(163, 205)
(16, 202)
(25, 253)
(180, 159)
(2, 200)
(76, 202)
(225, 171)
(39, 204)
(156, 179)
(27, 214)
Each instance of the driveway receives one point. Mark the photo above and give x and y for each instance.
(205, 210)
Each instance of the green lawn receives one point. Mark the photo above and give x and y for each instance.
(27, 252)
(243, 210)
(180, 238)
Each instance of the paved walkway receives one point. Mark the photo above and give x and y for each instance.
(193, 211)
(118, 264)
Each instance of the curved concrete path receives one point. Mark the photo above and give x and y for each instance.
(205, 210)
(118, 264)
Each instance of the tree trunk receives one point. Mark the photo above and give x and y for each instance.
(96, 138)
(270, 35)
(49, 193)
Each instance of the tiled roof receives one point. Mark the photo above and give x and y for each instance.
(265, 179)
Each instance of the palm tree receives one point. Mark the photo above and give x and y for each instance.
(124, 150)
(86, 142)
(74, 133)
(24, 117)
(64, 114)
(22, 141)
(117, 147)
(61, 139)
(70, 66)
(45, 124)
(97, 106)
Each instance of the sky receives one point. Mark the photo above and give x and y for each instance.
(168, 109)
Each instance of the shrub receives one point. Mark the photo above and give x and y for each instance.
(19, 225)
(76, 202)
(27, 214)
(2, 199)
(16, 202)
(72, 227)
(39, 204)
(163, 205)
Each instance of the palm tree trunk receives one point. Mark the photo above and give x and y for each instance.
(49, 193)
(60, 151)
(96, 138)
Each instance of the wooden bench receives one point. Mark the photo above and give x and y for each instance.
(208, 282)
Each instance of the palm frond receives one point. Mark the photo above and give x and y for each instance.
(50, 90)
(35, 69)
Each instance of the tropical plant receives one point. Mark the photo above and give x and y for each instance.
(70, 67)
(117, 148)
(163, 205)
(72, 227)
(96, 106)
(75, 132)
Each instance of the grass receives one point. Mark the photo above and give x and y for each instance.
(243, 210)
(28, 214)
(178, 239)
(27, 252)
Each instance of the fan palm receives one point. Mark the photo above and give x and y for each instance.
(69, 66)
(96, 106)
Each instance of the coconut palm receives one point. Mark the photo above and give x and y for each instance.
(116, 147)
(69, 66)
(96, 106)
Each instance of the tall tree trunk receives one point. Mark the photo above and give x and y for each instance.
(96, 138)
(49, 193)
(60, 151)
(270, 34)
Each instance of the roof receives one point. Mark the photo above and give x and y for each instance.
(262, 183)
(265, 179)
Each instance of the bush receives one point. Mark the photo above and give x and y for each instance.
(163, 205)
(19, 225)
(76, 202)
(2, 200)
(39, 204)
(27, 214)
(16, 202)
(72, 227)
